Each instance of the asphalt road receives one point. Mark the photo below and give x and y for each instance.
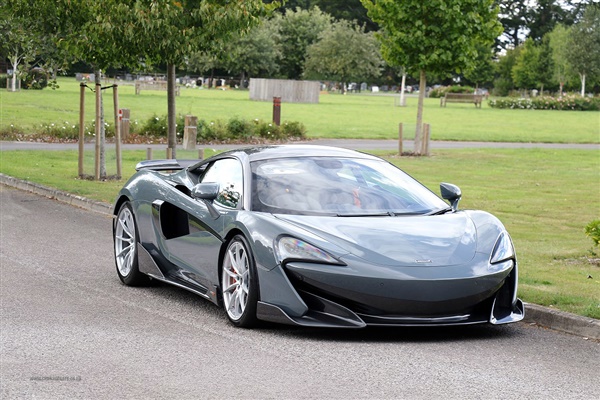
(70, 329)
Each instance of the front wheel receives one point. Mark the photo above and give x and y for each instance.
(239, 284)
(126, 241)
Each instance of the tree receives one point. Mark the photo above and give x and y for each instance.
(584, 45)
(503, 83)
(437, 36)
(482, 70)
(349, 10)
(19, 42)
(525, 70)
(256, 54)
(298, 30)
(343, 53)
(559, 42)
(167, 31)
(527, 18)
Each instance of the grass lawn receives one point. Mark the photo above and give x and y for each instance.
(336, 116)
(544, 197)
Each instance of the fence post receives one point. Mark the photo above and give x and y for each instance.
(81, 126)
(425, 142)
(98, 129)
(277, 110)
(125, 113)
(118, 117)
(400, 139)
(190, 132)
(149, 153)
(200, 154)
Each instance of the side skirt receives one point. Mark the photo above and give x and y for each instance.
(148, 266)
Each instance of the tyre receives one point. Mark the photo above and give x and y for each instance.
(239, 283)
(125, 236)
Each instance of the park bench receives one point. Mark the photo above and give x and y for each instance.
(461, 98)
(153, 85)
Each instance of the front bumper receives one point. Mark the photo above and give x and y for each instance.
(353, 297)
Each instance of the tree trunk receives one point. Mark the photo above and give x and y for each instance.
(15, 65)
(171, 117)
(582, 76)
(561, 89)
(418, 129)
(102, 128)
(402, 87)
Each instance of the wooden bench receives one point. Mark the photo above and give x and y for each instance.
(154, 85)
(461, 98)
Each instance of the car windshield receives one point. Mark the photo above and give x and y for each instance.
(338, 186)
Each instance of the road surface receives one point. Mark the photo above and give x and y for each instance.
(70, 329)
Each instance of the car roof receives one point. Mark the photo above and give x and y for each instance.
(258, 153)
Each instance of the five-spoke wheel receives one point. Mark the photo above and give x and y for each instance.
(238, 283)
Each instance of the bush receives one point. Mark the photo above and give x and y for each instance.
(36, 79)
(155, 129)
(442, 90)
(570, 103)
(157, 126)
(214, 131)
(592, 230)
(240, 128)
(293, 129)
(267, 130)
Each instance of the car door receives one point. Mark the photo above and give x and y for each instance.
(197, 251)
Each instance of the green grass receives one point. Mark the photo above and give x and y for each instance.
(336, 116)
(544, 197)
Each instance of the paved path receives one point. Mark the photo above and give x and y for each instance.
(70, 329)
(357, 144)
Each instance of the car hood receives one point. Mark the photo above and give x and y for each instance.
(438, 240)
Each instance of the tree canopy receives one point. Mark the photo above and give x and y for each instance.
(343, 53)
(438, 36)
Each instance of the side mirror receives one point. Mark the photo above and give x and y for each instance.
(206, 191)
(451, 193)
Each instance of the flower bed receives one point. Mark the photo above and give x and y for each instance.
(570, 103)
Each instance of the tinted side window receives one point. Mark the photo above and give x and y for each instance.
(228, 174)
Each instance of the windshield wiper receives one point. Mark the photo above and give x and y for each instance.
(440, 212)
(384, 214)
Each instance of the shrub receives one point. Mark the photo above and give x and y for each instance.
(240, 128)
(293, 129)
(442, 90)
(267, 130)
(571, 103)
(157, 126)
(592, 230)
(214, 130)
(36, 79)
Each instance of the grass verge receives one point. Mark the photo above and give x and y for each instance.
(544, 197)
(364, 116)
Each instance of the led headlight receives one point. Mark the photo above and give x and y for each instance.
(289, 248)
(503, 250)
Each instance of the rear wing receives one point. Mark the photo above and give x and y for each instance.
(165, 165)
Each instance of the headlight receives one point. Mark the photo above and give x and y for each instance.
(503, 250)
(289, 248)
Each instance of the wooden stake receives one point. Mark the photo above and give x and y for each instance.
(400, 139)
(81, 126)
(117, 131)
(97, 131)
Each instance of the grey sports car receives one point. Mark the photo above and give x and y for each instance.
(314, 236)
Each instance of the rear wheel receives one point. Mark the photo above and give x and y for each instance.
(126, 242)
(239, 284)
